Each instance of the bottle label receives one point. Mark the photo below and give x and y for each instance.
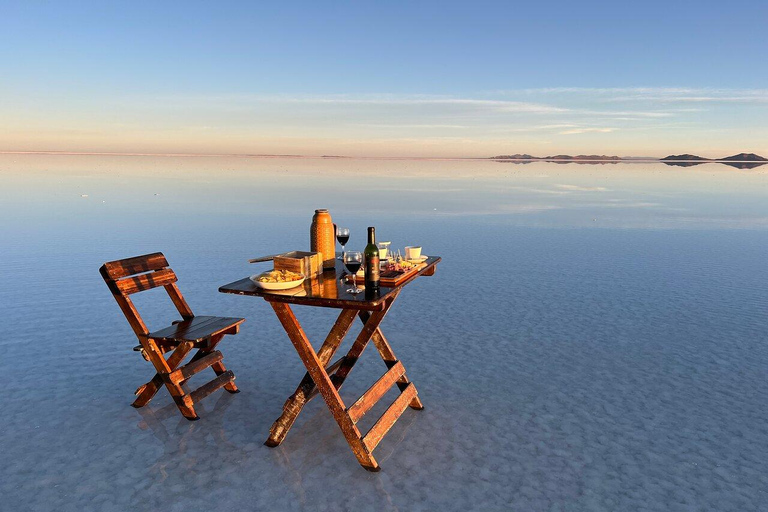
(372, 270)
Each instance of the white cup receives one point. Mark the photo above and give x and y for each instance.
(412, 252)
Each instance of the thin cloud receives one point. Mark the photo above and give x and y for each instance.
(578, 188)
(498, 105)
(417, 126)
(577, 131)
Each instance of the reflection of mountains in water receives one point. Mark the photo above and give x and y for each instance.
(737, 165)
(682, 164)
(590, 162)
(513, 161)
(744, 165)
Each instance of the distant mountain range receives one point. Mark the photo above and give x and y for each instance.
(741, 157)
(740, 161)
(686, 157)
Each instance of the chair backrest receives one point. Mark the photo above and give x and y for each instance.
(131, 275)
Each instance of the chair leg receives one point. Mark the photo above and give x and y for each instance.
(164, 368)
(219, 367)
(146, 392)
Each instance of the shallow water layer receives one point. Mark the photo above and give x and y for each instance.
(594, 339)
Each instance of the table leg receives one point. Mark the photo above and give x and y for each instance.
(306, 389)
(386, 353)
(316, 370)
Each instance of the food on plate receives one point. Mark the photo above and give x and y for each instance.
(279, 276)
(400, 265)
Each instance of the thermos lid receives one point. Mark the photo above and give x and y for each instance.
(321, 210)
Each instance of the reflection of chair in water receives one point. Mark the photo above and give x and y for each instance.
(177, 443)
(132, 275)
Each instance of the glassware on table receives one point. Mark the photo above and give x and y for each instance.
(353, 260)
(342, 235)
(383, 250)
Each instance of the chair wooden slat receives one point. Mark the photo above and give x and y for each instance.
(195, 366)
(196, 329)
(217, 383)
(137, 265)
(144, 282)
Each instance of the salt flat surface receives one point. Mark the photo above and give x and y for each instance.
(565, 363)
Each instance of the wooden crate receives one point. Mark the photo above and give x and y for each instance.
(307, 263)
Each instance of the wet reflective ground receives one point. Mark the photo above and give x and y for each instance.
(595, 338)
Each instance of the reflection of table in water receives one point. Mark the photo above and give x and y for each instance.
(326, 379)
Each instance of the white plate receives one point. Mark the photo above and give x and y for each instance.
(275, 286)
(420, 259)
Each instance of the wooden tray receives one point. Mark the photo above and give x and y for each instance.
(389, 278)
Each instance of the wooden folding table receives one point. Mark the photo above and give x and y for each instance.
(326, 379)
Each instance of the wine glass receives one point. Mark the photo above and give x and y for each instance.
(353, 260)
(342, 235)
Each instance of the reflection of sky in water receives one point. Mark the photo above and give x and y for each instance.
(577, 367)
(638, 195)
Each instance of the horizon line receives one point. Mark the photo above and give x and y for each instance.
(297, 156)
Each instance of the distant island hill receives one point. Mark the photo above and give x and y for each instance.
(741, 160)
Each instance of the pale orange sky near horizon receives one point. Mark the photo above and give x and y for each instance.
(624, 122)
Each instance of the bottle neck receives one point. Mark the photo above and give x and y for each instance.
(371, 235)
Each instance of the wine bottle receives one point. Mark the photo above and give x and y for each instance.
(371, 256)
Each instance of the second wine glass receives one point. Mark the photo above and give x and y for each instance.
(353, 260)
(342, 235)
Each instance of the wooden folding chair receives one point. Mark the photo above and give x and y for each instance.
(132, 275)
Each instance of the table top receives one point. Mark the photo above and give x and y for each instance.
(329, 291)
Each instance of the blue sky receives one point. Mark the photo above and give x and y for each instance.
(410, 78)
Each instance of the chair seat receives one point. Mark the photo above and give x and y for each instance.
(196, 329)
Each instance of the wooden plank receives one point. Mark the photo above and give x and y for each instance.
(143, 282)
(218, 325)
(391, 278)
(375, 392)
(196, 328)
(217, 383)
(136, 265)
(195, 366)
(382, 426)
